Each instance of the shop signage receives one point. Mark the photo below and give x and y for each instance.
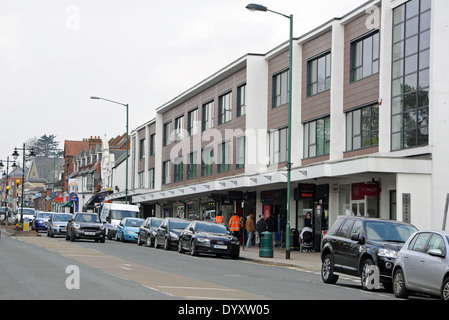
(59, 199)
(360, 190)
(304, 190)
(235, 195)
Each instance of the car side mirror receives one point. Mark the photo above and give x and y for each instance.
(436, 253)
(357, 237)
(191, 229)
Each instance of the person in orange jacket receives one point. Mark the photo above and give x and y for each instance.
(219, 218)
(235, 225)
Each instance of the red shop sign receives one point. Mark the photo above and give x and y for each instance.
(360, 190)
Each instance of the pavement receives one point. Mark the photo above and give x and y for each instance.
(303, 260)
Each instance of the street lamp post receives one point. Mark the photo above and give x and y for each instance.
(127, 140)
(15, 155)
(258, 7)
(6, 176)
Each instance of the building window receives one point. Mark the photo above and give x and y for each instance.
(192, 166)
(207, 161)
(151, 178)
(207, 116)
(192, 119)
(317, 138)
(319, 74)
(280, 89)
(225, 108)
(152, 144)
(362, 127)
(167, 133)
(240, 152)
(278, 145)
(142, 149)
(178, 170)
(166, 172)
(141, 180)
(241, 100)
(365, 57)
(179, 128)
(410, 75)
(224, 157)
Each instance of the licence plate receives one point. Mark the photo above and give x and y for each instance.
(89, 233)
(218, 246)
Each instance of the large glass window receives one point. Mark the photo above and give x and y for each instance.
(225, 108)
(278, 145)
(362, 127)
(410, 75)
(280, 89)
(241, 100)
(179, 128)
(224, 157)
(142, 149)
(317, 138)
(207, 161)
(178, 170)
(166, 172)
(240, 152)
(192, 125)
(207, 116)
(365, 57)
(167, 133)
(191, 166)
(319, 74)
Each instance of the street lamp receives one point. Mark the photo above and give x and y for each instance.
(258, 7)
(15, 155)
(127, 140)
(6, 177)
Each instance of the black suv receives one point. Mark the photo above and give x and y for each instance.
(85, 226)
(354, 244)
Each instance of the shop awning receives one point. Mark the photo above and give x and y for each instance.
(67, 204)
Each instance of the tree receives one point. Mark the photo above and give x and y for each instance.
(45, 146)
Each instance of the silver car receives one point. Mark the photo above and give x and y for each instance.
(422, 265)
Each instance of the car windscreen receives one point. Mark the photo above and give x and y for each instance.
(44, 215)
(211, 228)
(133, 222)
(62, 217)
(87, 218)
(156, 222)
(26, 211)
(387, 231)
(120, 214)
(178, 224)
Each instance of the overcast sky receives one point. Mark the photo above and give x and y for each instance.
(55, 54)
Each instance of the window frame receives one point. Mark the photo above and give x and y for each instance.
(225, 107)
(352, 135)
(280, 88)
(373, 56)
(308, 143)
(313, 71)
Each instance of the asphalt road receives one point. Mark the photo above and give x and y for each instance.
(42, 268)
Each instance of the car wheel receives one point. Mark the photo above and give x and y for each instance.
(445, 289)
(148, 242)
(399, 289)
(166, 244)
(180, 249)
(156, 244)
(364, 275)
(122, 237)
(327, 270)
(192, 249)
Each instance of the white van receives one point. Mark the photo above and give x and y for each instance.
(113, 213)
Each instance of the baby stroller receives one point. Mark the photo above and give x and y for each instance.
(306, 240)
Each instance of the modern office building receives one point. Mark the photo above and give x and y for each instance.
(370, 114)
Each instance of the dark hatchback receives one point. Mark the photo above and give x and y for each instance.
(208, 237)
(85, 226)
(354, 245)
(148, 231)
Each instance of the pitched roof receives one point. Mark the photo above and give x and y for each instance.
(74, 147)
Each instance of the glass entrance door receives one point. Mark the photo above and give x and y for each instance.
(358, 208)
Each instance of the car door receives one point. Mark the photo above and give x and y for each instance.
(340, 243)
(412, 256)
(161, 231)
(352, 255)
(431, 268)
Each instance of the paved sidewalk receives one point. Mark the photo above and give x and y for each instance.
(304, 260)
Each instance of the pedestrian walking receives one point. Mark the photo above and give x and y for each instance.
(219, 218)
(261, 226)
(250, 227)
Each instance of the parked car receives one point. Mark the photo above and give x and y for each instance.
(28, 213)
(208, 237)
(168, 232)
(57, 224)
(148, 230)
(40, 222)
(356, 245)
(85, 226)
(422, 265)
(112, 213)
(128, 229)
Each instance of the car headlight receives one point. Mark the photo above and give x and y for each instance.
(235, 242)
(388, 253)
(173, 235)
(76, 225)
(203, 241)
(101, 227)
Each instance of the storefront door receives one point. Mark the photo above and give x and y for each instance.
(358, 208)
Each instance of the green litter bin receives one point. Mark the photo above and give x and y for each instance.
(266, 245)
